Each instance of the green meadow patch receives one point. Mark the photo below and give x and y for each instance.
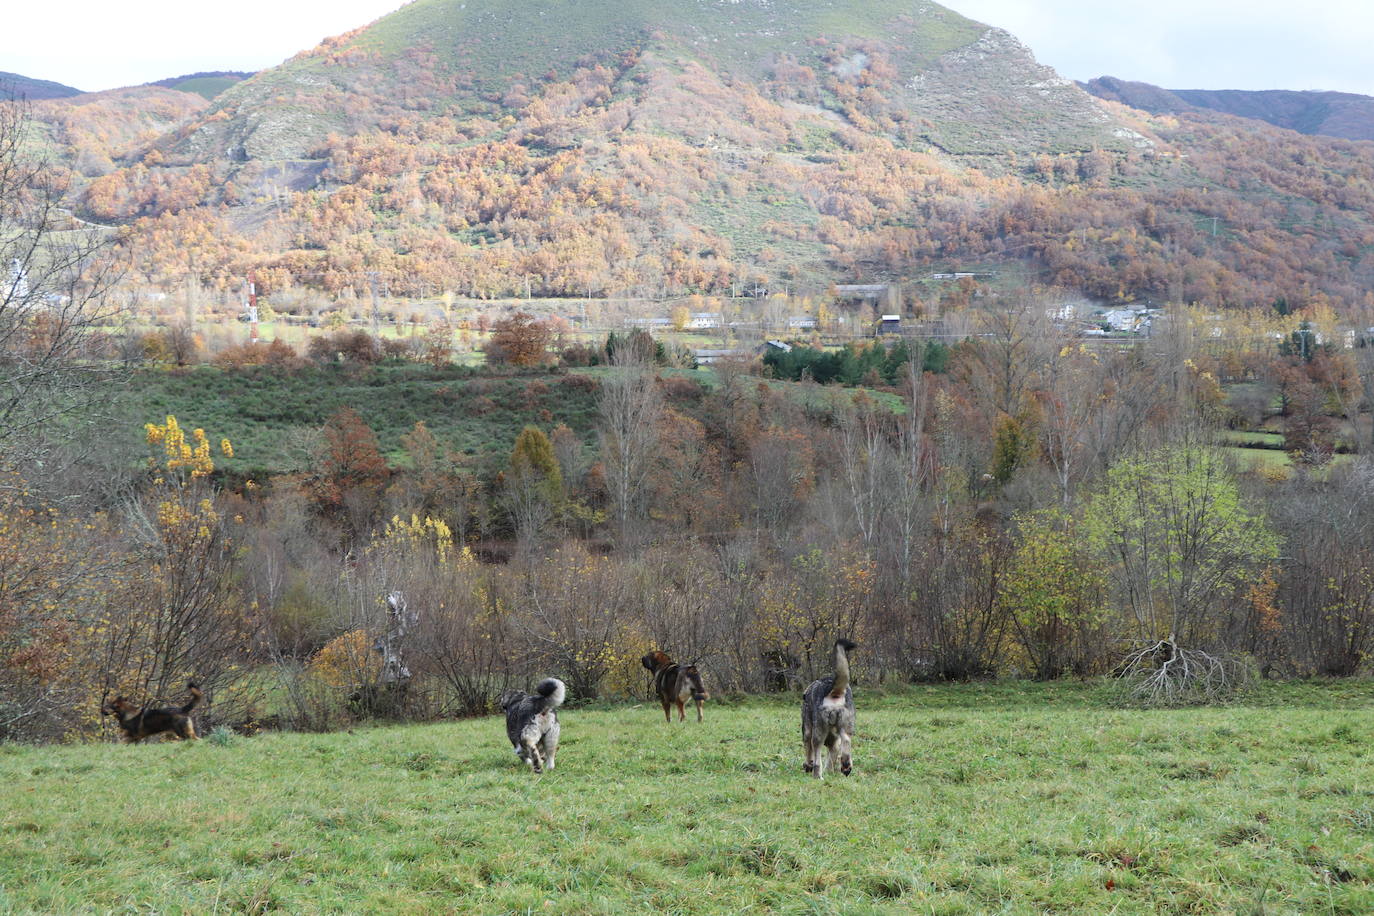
(972, 799)
(271, 416)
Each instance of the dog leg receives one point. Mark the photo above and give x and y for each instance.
(550, 752)
(813, 760)
(667, 711)
(700, 718)
(535, 758)
(681, 713)
(846, 760)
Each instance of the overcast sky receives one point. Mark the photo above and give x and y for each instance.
(1196, 44)
(1178, 44)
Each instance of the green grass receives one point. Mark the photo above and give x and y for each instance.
(1260, 459)
(1265, 459)
(1001, 799)
(269, 417)
(1252, 439)
(496, 38)
(273, 418)
(207, 87)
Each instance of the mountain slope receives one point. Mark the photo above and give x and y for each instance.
(1332, 114)
(600, 148)
(97, 130)
(34, 89)
(482, 58)
(206, 83)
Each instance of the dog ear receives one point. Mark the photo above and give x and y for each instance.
(648, 660)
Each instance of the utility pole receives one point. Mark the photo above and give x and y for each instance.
(252, 308)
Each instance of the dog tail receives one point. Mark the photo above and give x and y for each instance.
(553, 691)
(195, 698)
(842, 649)
(694, 678)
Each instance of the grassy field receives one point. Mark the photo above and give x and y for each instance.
(273, 418)
(270, 416)
(968, 799)
(207, 87)
(1253, 439)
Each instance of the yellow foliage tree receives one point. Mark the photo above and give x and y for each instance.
(347, 661)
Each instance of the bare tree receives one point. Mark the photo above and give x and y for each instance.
(914, 468)
(54, 285)
(1012, 339)
(864, 455)
(631, 406)
(1069, 396)
(530, 504)
(1129, 392)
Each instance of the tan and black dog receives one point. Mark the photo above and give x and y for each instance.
(144, 723)
(674, 683)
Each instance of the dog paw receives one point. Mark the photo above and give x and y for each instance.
(808, 768)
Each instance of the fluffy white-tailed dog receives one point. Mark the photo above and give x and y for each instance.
(828, 716)
(532, 722)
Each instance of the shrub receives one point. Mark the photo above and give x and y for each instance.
(357, 347)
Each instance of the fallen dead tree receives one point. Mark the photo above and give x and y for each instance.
(1164, 673)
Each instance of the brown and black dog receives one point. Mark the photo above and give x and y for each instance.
(144, 723)
(674, 683)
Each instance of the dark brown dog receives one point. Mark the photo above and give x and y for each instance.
(144, 723)
(674, 683)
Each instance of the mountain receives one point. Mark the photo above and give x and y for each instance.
(207, 83)
(93, 131)
(1144, 96)
(484, 58)
(33, 89)
(1331, 114)
(613, 147)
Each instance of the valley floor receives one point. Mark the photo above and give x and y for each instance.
(965, 799)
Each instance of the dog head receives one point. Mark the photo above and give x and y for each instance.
(117, 707)
(510, 697)
(655, 660)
